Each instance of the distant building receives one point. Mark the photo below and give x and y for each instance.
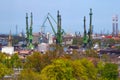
(115, 29)
(8, 50)
(43, 47)
(67, 39)
(24, 53)
(39, 38)
(50, 38)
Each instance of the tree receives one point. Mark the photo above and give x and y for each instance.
(59, 70)
(90, 70)
(2, 57)
(34, 61)
(28, 74)
(38, 61)
(77, 41)
(110, 71)
(79, 71)
(15, 61)
(4, 70)
(62, 69)
(91, 53)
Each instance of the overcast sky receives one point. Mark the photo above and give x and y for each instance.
(13, 12)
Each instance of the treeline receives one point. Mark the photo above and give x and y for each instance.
(56, 65)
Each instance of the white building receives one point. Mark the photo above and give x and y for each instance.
(8, 50)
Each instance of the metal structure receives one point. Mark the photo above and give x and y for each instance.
(90, 44)
(117, 31)
(87, 39)
(29, 36)
(115, 25)
(58, 34)
(27, 30)
(10, 39)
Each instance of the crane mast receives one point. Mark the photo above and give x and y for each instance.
(29, 37)
(90, 30)
(85, 38)
(27, 30)
(59, 32)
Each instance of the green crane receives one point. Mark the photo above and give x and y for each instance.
(85, 38)
(60, 31)
(27, 30)
(90, 44)
(29, 37)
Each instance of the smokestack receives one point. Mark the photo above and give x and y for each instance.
(117, 31)
(113, 25)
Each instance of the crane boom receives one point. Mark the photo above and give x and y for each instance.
(59, 32)
(51, 26)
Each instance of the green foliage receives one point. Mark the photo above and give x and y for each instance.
(62, 69)
(74, 41)
(90, 70)
(79, 71)
(28, 74)
(34, 61)
(51, 67)
(91, 53)
(110, 71)
(2, 57)
(77, 41)
(105, 58)
(38, 61)
(4, 70)
(15, 61)
(59, 70)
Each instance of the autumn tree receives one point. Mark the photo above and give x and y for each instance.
(15, 61)
(28, 74)
(3, 57)
(62, 69)
(59, 70)
(4, 70)
(110, 71)
(34, 61)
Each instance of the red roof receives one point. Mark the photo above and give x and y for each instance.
(108, 36)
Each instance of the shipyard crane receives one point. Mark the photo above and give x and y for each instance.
(29, 36)
(90, 44)
(58, 34)
(87, 39)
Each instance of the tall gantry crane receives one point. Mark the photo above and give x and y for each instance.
(90, 44)
(27, 30)
(58, 34)
(87, 39)
(29, 36)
